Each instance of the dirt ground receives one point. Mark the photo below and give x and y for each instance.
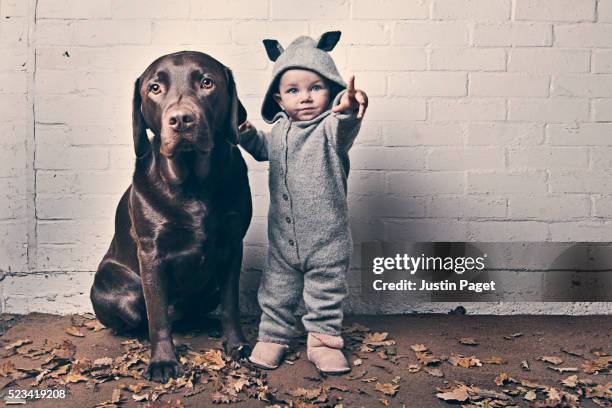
(397, 361)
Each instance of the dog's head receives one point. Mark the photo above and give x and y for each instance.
(188, 100)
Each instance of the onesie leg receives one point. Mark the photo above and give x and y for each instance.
(279, 295)
(324, 290)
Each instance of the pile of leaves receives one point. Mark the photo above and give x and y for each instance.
(571, 393)
(230, 381)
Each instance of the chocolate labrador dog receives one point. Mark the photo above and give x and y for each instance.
(177, 249)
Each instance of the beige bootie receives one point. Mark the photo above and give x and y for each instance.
(268, 355)
(325, 352)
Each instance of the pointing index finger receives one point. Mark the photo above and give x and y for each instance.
(351, 86)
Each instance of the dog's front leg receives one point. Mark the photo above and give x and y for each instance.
(163, 363)
(234, 342)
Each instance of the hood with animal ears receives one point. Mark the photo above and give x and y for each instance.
(303, 53)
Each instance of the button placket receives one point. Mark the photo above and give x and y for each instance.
(283, 170)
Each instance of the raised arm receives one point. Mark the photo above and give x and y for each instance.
(254, 141)
(349, 108)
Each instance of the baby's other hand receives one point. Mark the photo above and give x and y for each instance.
(353, 99)
(245, 126)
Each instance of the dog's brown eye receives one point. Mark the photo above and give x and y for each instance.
(154, 88)
(206, 83)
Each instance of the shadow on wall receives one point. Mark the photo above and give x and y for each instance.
(582, 272)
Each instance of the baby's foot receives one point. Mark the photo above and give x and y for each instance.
(325, 352)
(268, 355)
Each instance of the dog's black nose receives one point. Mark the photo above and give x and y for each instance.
(180, 120)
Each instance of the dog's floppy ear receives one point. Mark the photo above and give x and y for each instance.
(236, 114)
(273, 49)
(328, 40)
(139, 127)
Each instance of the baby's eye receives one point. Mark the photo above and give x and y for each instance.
(317, 88)
(292, 90)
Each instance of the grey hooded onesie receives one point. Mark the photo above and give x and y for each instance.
(308, 230)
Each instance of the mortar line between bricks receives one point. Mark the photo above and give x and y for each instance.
(31, 144)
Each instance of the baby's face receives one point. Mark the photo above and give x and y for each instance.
(303, 94)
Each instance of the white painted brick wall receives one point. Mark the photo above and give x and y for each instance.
(489, 120)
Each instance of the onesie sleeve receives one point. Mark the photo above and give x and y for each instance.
(255, 142)
(342, 127)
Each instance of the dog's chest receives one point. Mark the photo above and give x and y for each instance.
(187, 240)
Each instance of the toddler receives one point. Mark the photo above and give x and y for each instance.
(316, 119)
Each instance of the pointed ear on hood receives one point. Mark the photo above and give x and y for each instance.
(273, 49)
(236, 114)
(139, 127)
(328, 40)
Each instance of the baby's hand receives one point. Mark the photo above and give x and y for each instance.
(353, 99)
(245, 126)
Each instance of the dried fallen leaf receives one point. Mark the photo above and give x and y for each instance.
(600, 391)
(494, 360)
(238, 384)
(60, 371)
(116, 397)
(17, 344)
(94, 325)
(597, 365)
(466, 362)
(564, 369)
(75, 378)
(525, 365)
(414, 368)
(338, 387)
(459, 394)
(513, 336)
(570, 381)
(551, 359)
(530, 395)
(103, 362)
(477, 393)
(468, 341)
(73, 331)
(221, 398)
(435, 372)
(387, 388)
(529, 384)
(553, 395)
(502, 379)
(134, 388)
(598, 352)
(378, 339)
(357, 376)
(213, 359)
(357, 362)
(7, 368)
(426, 358)
(140, 397)
(419, 347)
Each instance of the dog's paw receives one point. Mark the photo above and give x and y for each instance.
(162, 370)
(237, 349)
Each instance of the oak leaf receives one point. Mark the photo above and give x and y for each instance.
(387, 388)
